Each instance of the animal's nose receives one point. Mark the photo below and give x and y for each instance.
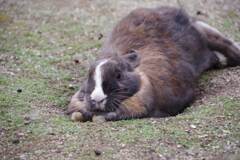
(99, 101)
(93, 102)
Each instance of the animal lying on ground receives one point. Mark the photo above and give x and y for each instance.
(149, 66)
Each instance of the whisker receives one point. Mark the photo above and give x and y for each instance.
(115, 106)
(122, 97)
(117, 90)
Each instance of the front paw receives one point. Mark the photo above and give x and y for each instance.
(78, 111)
(77, 117)
(81, 116)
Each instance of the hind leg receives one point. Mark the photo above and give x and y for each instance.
(216, 41)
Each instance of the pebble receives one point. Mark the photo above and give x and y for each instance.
(193, 126)
(19, 90)
(100, 36)
(20, 134)
(97, 152)
(76, 60)
(51, 133)
(27, 122)
(70, 86)
(198, 12)
(15, 141)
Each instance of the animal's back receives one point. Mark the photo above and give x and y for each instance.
(171, 49)
(149, 65)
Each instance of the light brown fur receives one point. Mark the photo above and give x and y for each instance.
(137, 104)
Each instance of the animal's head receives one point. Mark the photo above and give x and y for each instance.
(112, 80)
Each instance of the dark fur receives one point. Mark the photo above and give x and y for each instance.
(159, 54)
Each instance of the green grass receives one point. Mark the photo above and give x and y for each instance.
(178, 130)
(39, 67)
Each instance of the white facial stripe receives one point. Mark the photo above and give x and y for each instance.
(98, 94)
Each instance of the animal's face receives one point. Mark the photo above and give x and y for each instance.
(110, 81)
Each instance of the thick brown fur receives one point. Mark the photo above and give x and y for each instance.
(174, 51)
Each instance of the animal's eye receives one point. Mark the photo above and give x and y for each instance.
(118, 76)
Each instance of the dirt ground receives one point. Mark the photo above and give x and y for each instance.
(45, 48)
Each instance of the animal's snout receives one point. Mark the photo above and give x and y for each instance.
(98, 96)
(94, 102)
(98, 105)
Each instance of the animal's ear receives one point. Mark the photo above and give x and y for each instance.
(133, 58)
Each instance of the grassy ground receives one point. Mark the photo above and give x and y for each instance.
(45, 48)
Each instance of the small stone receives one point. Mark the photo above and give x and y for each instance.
(15, 141)
(27, 118)
(179, 146)
(27, 122)
(100, 36)
(70, 86)
(201, 13)
(76, 61)
(123, 145)
(193, 126)
(20, 134)
(19, 90)
(198, 12)
(188, 131)
(97, 152)
(51, 133)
